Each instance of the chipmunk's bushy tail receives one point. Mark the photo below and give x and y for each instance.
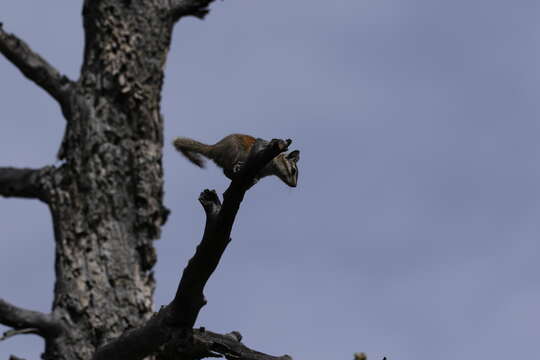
(192, 150)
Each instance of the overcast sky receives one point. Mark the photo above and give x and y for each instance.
(414, 231)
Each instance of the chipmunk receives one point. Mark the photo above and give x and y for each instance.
(231, 152)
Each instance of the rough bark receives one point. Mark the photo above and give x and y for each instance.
(106, 199)
(169, 333)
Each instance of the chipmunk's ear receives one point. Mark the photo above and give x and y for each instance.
(294, 155)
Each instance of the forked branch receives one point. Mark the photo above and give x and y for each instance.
(23, 183)
(189, 297)
(157, 335)
(27, 321)
(35, 68)
(170, 330)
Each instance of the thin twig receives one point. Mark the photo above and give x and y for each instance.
(11, 333)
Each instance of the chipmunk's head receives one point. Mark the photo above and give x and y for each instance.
(285, 167)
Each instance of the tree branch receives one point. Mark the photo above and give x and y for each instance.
(35, 68)
(13, 357)
(182, 8)
(228, 346)
(170, 330)
(178, 343)
(137, 343)
(23, 183)
(189, 297)
(21, 319)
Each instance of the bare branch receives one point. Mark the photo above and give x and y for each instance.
(13, 332)
(22, 319)
(228, 346)
(23, 183)
(182, 8)
(189, 297)
(179, 343)
(137, 343)
(35, 68)
(170, 330)
(13, 357)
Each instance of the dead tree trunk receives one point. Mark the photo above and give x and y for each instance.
(106, 197)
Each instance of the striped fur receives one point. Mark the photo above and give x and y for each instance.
(284, 167)
(231, 153)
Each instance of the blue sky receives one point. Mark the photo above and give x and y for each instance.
(414, 231)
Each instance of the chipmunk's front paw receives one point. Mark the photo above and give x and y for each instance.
(237, 167)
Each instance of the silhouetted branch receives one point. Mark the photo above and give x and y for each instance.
(13, 357)
(182, 8)
(35, 68)
(228, 346)
(178, 343)
(189, 297)
(28, 321)
(137, 343)
(23, 183)
(170, 330)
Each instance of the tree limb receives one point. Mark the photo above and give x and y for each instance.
(23, 183)
(170, 330)
(182, 8)
(22, 319)
(228, 346)
(35, 68)
(189, 297)
(178, 343)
